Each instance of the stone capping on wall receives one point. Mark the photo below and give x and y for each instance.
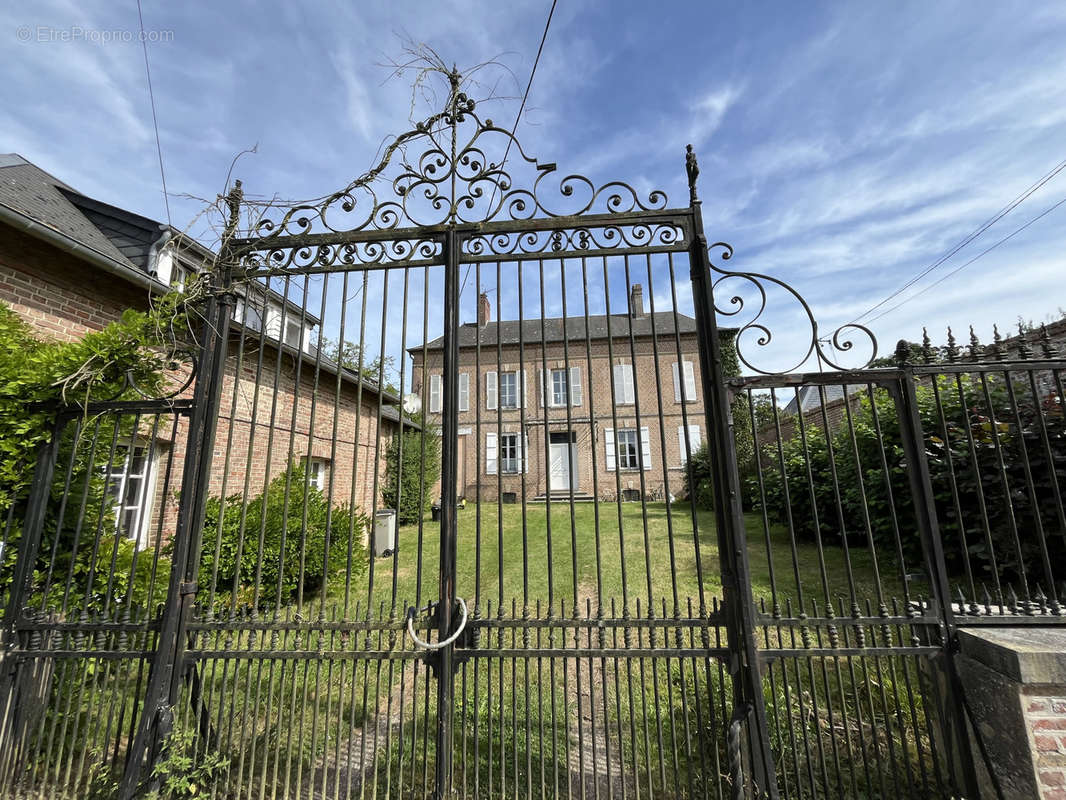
(1015, 683)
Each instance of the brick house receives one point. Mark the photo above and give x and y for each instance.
(70, 264)
(555, 408)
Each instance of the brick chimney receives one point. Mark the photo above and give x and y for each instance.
(636, 301)
(484, 310)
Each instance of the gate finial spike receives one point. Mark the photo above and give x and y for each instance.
(692, 167)
(1025, 352)
(996, 349)
(953, 347)
(1047, 349)
(975, 346)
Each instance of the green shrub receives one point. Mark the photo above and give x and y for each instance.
(993, 473)
(418, 475)
(699, 478)
(283, 545)
(37, 378)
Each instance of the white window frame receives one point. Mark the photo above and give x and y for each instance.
(318, 472)
(519, 377)
(612, 448)
(624, 386)
(291, 323)
(436, 396)
(627, 444)
(117, 481)
(516, 464)
(558, 390)
(491, 391)
(689, 382)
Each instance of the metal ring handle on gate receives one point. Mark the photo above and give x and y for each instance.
(436, 645)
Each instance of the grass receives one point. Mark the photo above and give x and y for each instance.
(617, 553)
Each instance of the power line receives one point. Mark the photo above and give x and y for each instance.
(155, 122)
(984, 252)
(518, 116)
(981, 229)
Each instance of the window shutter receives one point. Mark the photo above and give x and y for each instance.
(543, 389)
(690, 382)
(464, 391)
(491, 457)
(490, 390)
(620, 383)
(693, 442)
(525, 452)
(645, 449)
(677, 385)
(434, 394)
(575, 386)
(608, 443)
(522, 403)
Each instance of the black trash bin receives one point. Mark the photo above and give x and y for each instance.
(435, 510)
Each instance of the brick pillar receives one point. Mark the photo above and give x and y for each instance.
(1015, 682)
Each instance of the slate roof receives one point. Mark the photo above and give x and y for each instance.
(810, 398)
(32, 192)
(118, 234)
(556, 329)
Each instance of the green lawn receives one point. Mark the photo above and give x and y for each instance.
(504, 556)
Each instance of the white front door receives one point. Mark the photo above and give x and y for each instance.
(560, 466)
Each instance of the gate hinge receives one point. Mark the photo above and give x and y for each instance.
(188, 587)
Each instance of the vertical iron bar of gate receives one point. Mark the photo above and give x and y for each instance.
(732, 548)
(449, 465)
(167, 666)
(960, 757)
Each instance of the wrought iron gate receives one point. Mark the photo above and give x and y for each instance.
(269, 631)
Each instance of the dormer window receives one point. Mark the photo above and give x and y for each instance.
(293, 329)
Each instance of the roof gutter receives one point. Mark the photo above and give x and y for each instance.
(75, 248)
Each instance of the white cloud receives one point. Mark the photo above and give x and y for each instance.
(710, 110)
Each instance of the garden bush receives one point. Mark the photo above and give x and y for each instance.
(283, 544)
(699, 479)
(1012, 468)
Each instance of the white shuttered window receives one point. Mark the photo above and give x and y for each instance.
(693, 442)
(623, 384)
(464, 391)
(689, 383)
(434, 394)
(624, 450)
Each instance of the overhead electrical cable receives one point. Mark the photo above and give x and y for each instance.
(981, 229)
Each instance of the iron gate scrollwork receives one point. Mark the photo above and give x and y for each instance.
(322, 612)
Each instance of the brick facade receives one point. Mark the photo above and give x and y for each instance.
(656, 407)
(258, 431)
(1045, 721)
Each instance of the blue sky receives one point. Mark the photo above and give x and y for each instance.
(843, 147)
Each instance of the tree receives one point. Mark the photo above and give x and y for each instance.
(414, 474)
